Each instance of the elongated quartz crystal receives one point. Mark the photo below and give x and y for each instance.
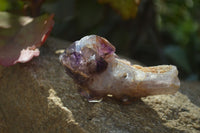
(99, 72)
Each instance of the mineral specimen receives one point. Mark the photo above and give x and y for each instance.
(99, 72)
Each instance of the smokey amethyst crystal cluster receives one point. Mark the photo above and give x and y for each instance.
(86, 57)
(99, 72)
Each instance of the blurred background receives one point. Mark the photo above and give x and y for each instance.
(152, 32)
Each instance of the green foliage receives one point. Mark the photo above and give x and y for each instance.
(177, 18)
(180, 20)
(127, 8)
(11, 5)
(4, 5)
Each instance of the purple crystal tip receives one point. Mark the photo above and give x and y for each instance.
(87, 56)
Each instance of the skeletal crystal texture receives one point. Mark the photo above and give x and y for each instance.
(99, 72)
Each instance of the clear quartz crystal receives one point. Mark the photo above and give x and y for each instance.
(93, 64)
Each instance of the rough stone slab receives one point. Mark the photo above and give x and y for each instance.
(39, 97)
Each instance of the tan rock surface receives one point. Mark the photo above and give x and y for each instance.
(39, 97)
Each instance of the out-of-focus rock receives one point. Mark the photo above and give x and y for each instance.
(39, 97)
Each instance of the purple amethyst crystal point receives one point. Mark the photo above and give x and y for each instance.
(104, 47)
(87, 56)
(98, 44)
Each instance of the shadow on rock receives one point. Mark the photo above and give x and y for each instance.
(192, 91)
(110, 116)
(28, 105)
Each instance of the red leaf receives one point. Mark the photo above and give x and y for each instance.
(23, 46)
